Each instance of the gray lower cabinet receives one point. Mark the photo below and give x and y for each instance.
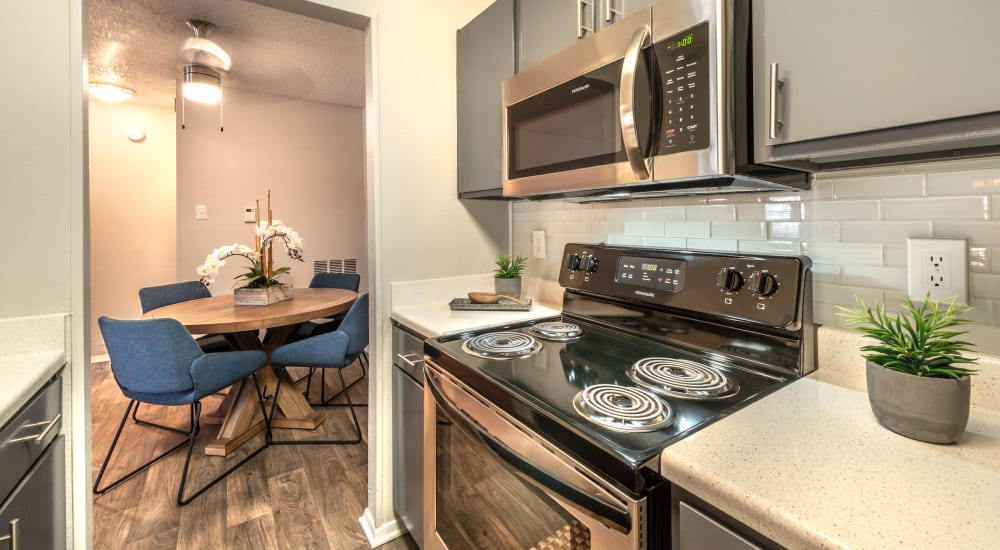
(33, 474)
(485, 57)
(699, 531)
(854, 68)
(546, 26)
(408, 430)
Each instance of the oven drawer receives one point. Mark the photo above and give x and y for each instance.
(26, 436)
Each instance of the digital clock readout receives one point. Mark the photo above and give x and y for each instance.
(686, 41)
(653, 273)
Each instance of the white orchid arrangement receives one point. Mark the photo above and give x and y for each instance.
(262, 273)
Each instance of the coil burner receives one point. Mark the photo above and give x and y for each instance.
(502, 345)
(557, 331)
(682, 378)
(623, 409)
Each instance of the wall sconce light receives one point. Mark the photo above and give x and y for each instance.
(109, 93)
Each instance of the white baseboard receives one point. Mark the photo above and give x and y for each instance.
(377, 536)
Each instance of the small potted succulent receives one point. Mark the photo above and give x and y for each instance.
(507, 275)
(917, 386)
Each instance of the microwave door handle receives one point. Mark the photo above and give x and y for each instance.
(607, 514)
(626, 102)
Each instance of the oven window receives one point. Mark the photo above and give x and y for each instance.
(482, 503)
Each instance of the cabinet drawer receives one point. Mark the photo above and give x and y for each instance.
(408, 352)
(26, 436)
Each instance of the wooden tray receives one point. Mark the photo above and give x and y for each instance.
(503, 305)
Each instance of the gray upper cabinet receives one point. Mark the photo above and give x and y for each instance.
(485, 50)
(546, 26)
(855, 68)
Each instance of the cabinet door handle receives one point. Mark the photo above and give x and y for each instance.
(13, 535)
(626, 103)
(37, 439)
(581, 5)
(411, 362)
(775, 85)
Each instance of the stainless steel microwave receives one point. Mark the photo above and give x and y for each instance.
(656, 104)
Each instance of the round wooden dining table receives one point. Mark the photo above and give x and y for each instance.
(241, 326)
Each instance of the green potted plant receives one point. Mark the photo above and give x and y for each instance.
(917, 386)
(507, 275)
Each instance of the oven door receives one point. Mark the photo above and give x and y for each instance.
(489, 482)
(582, 119)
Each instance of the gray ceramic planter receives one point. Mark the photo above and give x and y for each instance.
(510, 287)
(935, 410)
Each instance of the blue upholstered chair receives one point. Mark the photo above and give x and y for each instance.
(153, 297)
(346, 281)
(157, 361)
(333, 350)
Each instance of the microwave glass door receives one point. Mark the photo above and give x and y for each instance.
(575, 124)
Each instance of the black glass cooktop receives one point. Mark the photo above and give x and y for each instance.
(539, 390)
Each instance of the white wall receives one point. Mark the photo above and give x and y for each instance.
(853, 225)
(132, 209)
(310, 156)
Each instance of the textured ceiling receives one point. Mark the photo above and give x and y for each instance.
(137, 44)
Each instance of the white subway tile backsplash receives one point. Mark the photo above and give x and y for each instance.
(718, 245)
(844, 253)
(840, 210)
(911, 185)
(883, 232)
(972, 182)
(644, 228)
(936, 208)
(804, 231)
(978, 233)
(665, 242)
(853, 224)
(722, 212)
(889, 278)
(770, 247)
(985, 286)
(739, 230)
(687, 229)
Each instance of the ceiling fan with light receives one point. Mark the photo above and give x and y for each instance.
(204, 64)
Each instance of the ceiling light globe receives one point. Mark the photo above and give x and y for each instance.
(109, 93)
(202, 84)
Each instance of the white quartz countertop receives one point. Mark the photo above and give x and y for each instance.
(437, 319)
(22, 376)
(809, 467)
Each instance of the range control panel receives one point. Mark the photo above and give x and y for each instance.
(761, 289)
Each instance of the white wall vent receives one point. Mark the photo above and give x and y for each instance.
(347, 265)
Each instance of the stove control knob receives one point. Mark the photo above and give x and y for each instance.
(729, 279)
(764, 284)
(589, 263)
(573, 261)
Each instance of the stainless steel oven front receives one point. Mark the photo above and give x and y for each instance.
(491, 482)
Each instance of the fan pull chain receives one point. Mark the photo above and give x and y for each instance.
(182, 112)
(221, 129)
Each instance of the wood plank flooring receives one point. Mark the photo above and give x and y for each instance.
(286, 497)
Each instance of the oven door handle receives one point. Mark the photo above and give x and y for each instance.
(607, 514)
(626, 103)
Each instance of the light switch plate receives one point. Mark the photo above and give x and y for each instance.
(538, 245)
(938, 266)
(201, 212)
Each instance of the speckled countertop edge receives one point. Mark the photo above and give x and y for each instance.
(32, 349)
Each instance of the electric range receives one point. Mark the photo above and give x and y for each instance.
(651, 346)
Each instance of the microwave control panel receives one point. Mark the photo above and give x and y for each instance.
(683, 63)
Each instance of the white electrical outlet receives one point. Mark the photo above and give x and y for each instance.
(938, 266)
(538, 245)
(201, 212)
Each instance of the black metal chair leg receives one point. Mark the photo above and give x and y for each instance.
(181, 501)
(114, 443)
(324, 402)
(357, 425)
(147, 423)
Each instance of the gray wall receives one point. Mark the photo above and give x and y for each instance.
(853, 225)
(310, 155)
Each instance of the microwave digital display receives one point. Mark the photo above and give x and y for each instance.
(654, 273)
(683, 62)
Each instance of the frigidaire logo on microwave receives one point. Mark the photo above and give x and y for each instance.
(579, 88)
